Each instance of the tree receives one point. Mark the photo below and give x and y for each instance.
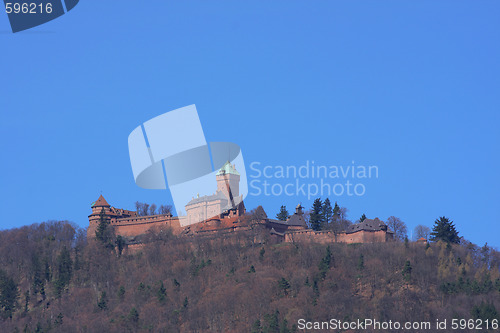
(327, 213)
(361, 262)
(152, 209)
(64, 270)
(342, 222)
(485, 312)
(120, 244)
(398, 227)
(256, 328)
(421, 231)
(283, 214)
(103, 233)
(284, 285)
(407, 271)
(133, 315)
(258, 214)
(162, 293)
(336, 213)
(165, 209)
(362, 218)
(103, 302)
(316, 218)
(144, 209)
(324, 264)
(444, 230)
(9, 293)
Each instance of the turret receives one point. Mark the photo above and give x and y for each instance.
(97, 207)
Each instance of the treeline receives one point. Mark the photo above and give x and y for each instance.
(322, 216)
(145, 209)
(52, 280)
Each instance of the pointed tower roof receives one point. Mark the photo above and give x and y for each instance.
(227, 168)
(101, 202)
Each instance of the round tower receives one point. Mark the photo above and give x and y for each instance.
(101, 205)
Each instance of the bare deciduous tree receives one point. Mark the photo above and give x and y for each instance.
(421, 231)
(398, 227)
(152, 209)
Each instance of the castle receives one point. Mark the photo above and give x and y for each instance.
(224, 212)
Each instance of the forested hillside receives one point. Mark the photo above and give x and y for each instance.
(52, 280)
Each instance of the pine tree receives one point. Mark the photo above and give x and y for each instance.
(407, 271)
(102, 232)
(316, 218)
(59, 320)
(284, 285)
(336, 211)
(256, 328)
(133, 315)
(283, 214)
(444, 230)
(362, 218)
(9, 293)
(361, 262)
(64, 270)
(324, 264)
(162, 293)
(120, 244)
(327, 213)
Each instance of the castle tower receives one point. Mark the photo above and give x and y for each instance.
(228, 182)
(298, 210)
(98, 206)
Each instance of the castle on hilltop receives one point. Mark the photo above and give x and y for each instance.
(224, 212)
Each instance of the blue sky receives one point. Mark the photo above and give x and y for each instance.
(412, 87)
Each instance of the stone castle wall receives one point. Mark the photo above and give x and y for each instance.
(327, 237)
(134, 226)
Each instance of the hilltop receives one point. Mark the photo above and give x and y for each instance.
(53, 280)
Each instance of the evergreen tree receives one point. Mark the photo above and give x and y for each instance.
(256, 328)
(121, 292)
(64, 270)
(444, 230)
(162, 293)
(324, 264)
(26, 301)
(283, 214)
(407, 271)
(37, 274)
(133, 315)
(102, 233)
(327, 213)
(103, 302)
(284, 285)
(336, 211)
(316, 218)
(59, 320)
(261, 253)
(272, 322)
(9, 293)
(485, 311)
(362, 218)
(120, 244)
(361, 262)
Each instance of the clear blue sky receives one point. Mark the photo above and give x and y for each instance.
(412, 87)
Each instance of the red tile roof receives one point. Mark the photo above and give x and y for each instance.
(101, 202)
